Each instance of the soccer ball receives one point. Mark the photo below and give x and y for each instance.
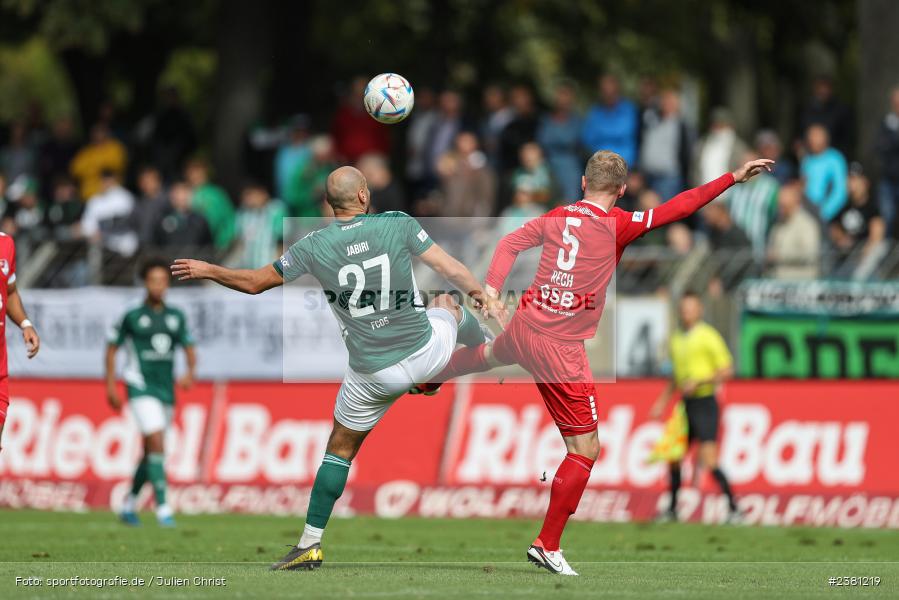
(389, 98)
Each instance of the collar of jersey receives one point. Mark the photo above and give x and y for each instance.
(344, 222)
(602, 208)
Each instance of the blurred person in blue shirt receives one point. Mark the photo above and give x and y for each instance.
(293, 154)
(612, 123)
(559, 134)
(824, 172)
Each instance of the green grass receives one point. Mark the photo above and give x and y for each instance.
(436, 558)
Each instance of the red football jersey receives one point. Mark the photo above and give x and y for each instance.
(582, 245)
(7, 278)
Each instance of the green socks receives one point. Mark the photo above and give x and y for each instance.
(470, 333)
(151, 469)
(140, 477)
(156, 475)
(328, 487)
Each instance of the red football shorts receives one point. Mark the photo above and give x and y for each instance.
(561, 371)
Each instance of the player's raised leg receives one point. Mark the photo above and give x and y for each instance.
(471, 333)
(469, 330)
(468, 360)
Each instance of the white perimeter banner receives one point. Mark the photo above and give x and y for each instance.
(238, 336)
(642, 327)
(287, 333)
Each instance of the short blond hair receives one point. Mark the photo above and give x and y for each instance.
(606, 172)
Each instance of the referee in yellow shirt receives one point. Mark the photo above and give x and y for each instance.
(701, 362)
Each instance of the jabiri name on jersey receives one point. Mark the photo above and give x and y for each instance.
(357, 248)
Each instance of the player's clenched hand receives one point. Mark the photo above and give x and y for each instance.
(496, 309)
(752, 168)
(32, 341)
(493, 307)
(188, 268)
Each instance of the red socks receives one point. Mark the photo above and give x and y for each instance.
(464, 361)
(567, 489)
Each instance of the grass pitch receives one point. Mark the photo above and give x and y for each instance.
(435, 558)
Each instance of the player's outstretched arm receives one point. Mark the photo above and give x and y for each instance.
(686, 203)
(16, 311)
(507, 250)
(458, 274)
(248, 281)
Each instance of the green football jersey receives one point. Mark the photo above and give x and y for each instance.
(150, 338)
(364, 266)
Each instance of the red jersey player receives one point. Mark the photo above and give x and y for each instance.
(11, 303)
(582, 243)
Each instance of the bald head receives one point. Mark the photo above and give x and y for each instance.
(346, 189)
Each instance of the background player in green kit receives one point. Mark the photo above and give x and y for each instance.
(364, 265)
(150, 334)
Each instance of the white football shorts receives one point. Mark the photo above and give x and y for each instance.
(151, 414)
(365, 397)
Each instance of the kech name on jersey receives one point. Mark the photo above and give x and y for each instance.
(562, 278)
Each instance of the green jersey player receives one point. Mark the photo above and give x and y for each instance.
(364, 265)
(150, 333)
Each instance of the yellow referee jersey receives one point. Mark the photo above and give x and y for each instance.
(697, 355)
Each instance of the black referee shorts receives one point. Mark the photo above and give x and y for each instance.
(702, 418)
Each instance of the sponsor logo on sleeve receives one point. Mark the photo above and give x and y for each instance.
(638, 216)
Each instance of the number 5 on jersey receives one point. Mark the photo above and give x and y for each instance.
(566, 263)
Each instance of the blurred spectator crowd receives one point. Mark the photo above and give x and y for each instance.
(127, 188)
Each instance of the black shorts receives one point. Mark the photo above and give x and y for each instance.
(702, 418)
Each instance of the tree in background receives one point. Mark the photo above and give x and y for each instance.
(266, 59)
